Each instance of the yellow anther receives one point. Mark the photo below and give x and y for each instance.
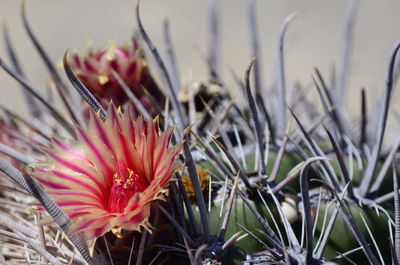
(130, 178)
(117, 179)
(103, 79)
(110, 55)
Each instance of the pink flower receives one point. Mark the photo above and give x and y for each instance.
(94, 70)
(108, 178)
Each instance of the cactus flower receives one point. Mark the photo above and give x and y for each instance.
(94, 70)
(107, 179)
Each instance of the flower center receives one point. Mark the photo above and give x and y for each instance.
(125, 184)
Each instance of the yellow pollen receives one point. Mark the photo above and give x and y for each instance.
(130, 179)
(110, 55)
(204, 177)
(103, 79)
(117, 179)
(125, 185)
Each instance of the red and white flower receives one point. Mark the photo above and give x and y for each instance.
(107, 179)
(95, 67)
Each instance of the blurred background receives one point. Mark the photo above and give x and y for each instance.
(314, 39)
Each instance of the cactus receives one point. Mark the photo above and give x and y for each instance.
(138, 172)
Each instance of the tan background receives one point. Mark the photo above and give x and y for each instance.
(313, 39)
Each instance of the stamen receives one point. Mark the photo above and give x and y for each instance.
(124, 186)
